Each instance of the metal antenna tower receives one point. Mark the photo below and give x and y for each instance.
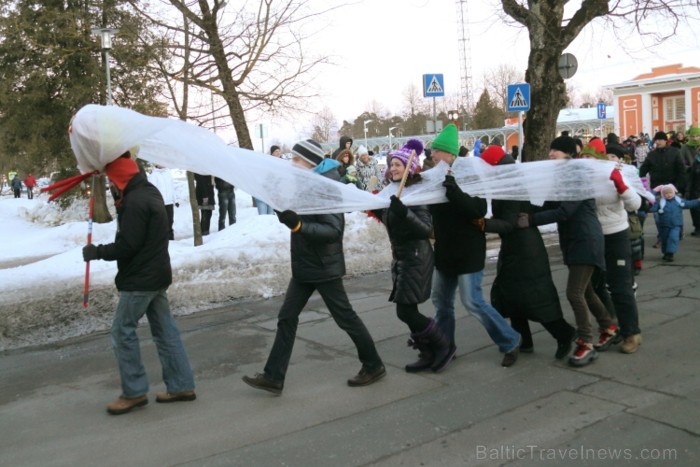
(465, 56)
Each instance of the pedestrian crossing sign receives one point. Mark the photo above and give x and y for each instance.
(433, 85)
(518, 97)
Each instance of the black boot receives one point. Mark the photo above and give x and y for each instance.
(440, 345)
(425, 357)
(564, 333)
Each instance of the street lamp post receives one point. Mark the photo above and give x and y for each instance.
(365, 128)
(390, 130)
(106, 42)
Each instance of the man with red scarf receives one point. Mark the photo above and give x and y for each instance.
(140, 249)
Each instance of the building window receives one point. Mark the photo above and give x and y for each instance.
(674, 109)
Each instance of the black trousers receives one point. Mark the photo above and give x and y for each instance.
(335, 298)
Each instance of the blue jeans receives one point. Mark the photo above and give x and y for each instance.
(177, 373)
(263, 207)
(227, 204)
(472, 296)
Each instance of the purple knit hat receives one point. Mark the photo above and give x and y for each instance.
(404, 154)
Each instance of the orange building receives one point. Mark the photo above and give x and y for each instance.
(667, 98)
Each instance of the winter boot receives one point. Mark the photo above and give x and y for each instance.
(425, 357)
(439, 344)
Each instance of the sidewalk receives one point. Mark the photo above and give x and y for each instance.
(638, 409)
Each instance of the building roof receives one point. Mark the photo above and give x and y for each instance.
(660, 75)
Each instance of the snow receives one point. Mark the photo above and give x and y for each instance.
(42, 271)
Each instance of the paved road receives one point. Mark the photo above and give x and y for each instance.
(638, 409)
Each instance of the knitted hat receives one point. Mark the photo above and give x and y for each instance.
(565, 144)
(591, 151)
(404, 154)
(493, 154)
(660, 135)
(351, 170)
(693, 131)
(598, 146)
(616, 150)
(447, 140)
(669, 187)
(361, 150)
(310, 151)
(121, 170)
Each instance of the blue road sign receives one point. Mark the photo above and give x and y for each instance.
(601, 110)
(433, 85)
(518, 97)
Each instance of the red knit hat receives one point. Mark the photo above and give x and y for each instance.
(121, 170)
(598, 145)
(493, 154)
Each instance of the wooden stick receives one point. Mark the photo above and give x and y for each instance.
(405, 173)
(91, 213)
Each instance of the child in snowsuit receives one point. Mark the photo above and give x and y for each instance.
(670, 218)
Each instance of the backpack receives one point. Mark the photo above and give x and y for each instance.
(635, 229)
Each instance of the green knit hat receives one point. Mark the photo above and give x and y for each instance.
(447, 140)
(693, 131)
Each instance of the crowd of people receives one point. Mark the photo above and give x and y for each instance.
(438, 251)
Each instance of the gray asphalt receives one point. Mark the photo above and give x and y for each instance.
(638, 409)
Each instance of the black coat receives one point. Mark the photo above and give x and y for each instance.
(460, 245)
(692, 190)
(664, 165)
(317, 248)
(204, 189)
(523, 284)
(412, 260)
(141, 244)
(580, 234)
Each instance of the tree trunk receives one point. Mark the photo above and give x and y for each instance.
(99, 190)
(196, 225)
(547, 98)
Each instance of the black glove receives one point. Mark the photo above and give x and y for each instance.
(524, 220)
(451, 187)
(289, 218)
(398, 208)
(177, 205)
(90, 252)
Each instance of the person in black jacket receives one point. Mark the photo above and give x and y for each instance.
(227, 202)
(344, 143)
(318, 263)
(204, 191)
(140, 249)
(664, 165)
(518, 296)
(412, 264)
(460, 256)
(582, 243)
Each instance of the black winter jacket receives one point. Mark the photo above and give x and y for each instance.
(317, 248)
(664, 165)
(412, 260)
(580, 233)
(460, 246)
(523, 284)
(141, 244)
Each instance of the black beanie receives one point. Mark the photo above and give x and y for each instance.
(310, 151)
(660, 135)
(615, 149)
(565, 144)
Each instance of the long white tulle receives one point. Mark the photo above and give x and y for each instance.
(100, 134)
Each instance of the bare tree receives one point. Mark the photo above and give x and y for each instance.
(496, 81)
(325, 126)
(250, 56)
(414, 101)
(550, 33)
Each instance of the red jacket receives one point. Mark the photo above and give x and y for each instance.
(30, 181)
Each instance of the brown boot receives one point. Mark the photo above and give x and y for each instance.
(175, 396)
(124, 404)
(631, 343)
